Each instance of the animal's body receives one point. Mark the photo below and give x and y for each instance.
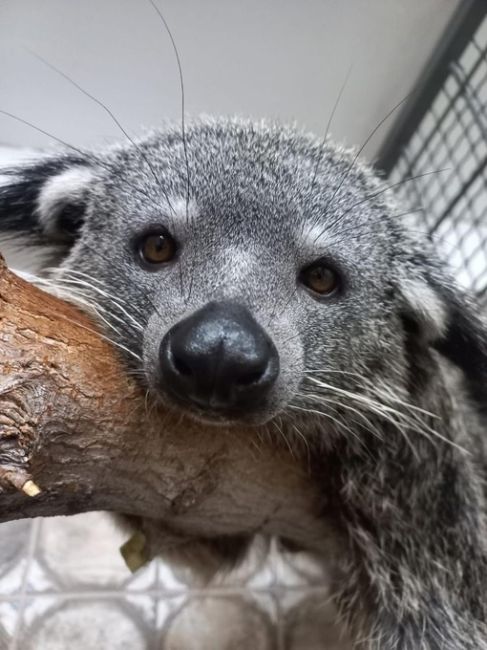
(253, 274)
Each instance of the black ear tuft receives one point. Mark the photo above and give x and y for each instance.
(464, 341)
(28, 202)
(448, 320)
(70, 219)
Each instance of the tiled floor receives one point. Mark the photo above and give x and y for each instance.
(64, 585)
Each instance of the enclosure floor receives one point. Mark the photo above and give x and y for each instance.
(63, 584)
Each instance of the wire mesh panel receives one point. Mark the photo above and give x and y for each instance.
(441, 147)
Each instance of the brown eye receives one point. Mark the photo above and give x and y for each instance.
(157, 247)
(320, 279)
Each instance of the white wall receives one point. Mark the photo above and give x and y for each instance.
(284, 59)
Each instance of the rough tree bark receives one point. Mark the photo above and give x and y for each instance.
(75, 435)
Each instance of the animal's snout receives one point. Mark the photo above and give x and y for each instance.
(220, 359)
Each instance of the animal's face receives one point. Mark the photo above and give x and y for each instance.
(273, 263)
(260, 277)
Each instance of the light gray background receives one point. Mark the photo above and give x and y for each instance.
(281, 59)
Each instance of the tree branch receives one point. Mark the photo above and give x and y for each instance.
(75, 435)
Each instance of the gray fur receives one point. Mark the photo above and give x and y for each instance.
(367, 378)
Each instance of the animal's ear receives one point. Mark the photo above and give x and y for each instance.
(448, 320)
(46, 197)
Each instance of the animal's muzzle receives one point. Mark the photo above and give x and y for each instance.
(219, 359)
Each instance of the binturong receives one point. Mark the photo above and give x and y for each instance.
(250, 273)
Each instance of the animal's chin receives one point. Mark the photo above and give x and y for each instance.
(216, 417)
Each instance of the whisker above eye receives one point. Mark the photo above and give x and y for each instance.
(328, 125)
(354, 160)
(373, 195)
(393, 186)
(112, 116)
(181, 85)
(84, 154)
(183, 122)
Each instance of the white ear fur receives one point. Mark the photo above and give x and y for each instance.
(66, 187)
(428, 308)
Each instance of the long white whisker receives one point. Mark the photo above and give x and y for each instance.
(91, 287)
(82, 298)
(364, 399)
(362, 416)
(64, 275)
(103, 336)
(336, 421)
(288, 444)
(304, 439)
(368, 383)
(395, 417)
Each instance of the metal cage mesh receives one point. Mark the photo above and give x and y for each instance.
(441, 169)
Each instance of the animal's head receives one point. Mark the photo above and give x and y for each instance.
(240, 266)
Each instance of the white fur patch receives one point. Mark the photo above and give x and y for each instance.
(67, 187)
(314, 235)
(178, 210)
(427, 306)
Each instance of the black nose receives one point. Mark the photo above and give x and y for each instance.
(220, 359)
